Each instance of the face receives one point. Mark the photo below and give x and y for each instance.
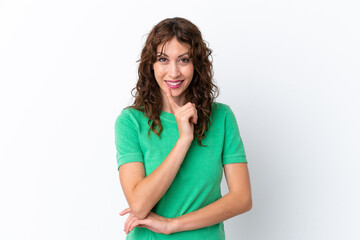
(174, 69)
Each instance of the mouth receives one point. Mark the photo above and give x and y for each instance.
(174, 84)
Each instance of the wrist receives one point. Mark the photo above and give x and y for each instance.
(185, 140)
(174, 225)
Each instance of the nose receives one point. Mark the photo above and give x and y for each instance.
(174, 70)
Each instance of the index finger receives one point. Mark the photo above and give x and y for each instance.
(172, 103)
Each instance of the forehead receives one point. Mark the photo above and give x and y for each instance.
(173, 46)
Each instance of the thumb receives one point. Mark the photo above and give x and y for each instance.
(125, 211)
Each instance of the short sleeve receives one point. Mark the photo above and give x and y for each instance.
(233, 151)
(127, 139)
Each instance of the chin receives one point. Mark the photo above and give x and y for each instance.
(177, 92)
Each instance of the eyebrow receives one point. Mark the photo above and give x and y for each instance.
(160, 54)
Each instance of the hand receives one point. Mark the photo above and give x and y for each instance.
(154, 222)
(186, 116)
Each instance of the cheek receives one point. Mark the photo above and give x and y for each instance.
(190, 72)
(187, 71)
(159, 71)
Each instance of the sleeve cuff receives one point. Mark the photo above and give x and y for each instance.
(129, 158)
(234, 159)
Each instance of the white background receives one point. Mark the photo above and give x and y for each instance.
(288, 69)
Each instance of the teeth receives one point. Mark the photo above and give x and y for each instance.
(174, 84)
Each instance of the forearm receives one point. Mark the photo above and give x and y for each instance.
(224, 208)
(150, 189)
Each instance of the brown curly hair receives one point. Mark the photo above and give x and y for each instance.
(201, 91)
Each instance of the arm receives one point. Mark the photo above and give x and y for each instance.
(142, 193)
(236, 202)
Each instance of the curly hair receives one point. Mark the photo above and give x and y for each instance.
(201, 91)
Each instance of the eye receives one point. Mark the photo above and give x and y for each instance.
(161, 59)
(185, 60)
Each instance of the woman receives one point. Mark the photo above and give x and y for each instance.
(172, 182)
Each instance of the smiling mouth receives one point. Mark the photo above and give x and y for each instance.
(174, 84)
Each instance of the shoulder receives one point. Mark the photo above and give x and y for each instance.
(129, 116)
(222, 112)
(220, 106)
(220, 109)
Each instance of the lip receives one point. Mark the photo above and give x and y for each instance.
(174, 87)
(173, 81)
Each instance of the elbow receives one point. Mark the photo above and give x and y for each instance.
(139, 205)
(141, 215)
(244, 205)
(249, 205)
(139, 211)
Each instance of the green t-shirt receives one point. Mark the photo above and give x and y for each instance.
(197, 182)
